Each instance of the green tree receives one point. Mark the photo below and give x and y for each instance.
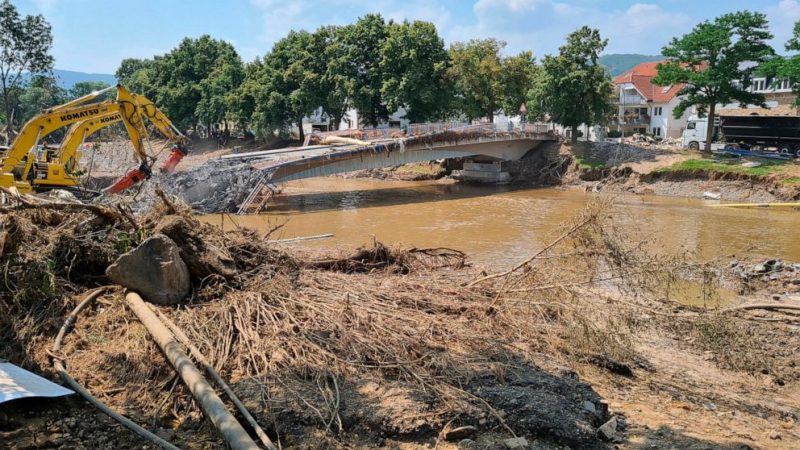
(786, 68)
(715, 62)
(192, 83)
(476, 70)
(25, 44)
(360, 69)
(125, 74)
(82, 88)
(573, 88)
(518, 75)
(329, 57)
(41, 93)
(414, 66)
(285, 87)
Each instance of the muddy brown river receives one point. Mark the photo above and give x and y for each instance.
(502, 225)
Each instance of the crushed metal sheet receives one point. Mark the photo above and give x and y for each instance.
(16, 383)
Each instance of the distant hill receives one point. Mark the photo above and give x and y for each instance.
(618, 63)
(68, 78)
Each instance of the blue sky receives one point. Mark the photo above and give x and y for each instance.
(94, 35)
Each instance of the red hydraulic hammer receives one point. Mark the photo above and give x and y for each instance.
(175, 156)
(134, 176)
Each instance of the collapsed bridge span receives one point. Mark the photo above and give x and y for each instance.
(241, 179)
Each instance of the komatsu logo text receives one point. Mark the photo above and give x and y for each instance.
(110, 118)
(87, 113)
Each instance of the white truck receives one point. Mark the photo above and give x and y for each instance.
(776, 133)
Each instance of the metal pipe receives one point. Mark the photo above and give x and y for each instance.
(75, 386)
(201, 359)
(213, 407)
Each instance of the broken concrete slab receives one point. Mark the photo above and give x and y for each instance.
(155, 270)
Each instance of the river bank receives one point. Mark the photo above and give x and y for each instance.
(398, 348)
(632, 168)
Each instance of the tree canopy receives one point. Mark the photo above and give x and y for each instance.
(414, 67)
(573, 88)
(25, 44)
(191, 83)
(786, 68)
(715, 62)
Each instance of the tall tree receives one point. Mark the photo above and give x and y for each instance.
(786, 68)
(330, 57)
(414, 67)
(573, 88)
(716, 61)
(290, 87)
(476, 71)
(125, 74)
(191, 83)
(360, 67)
(42, 92)
(518, 76)
(25, 44)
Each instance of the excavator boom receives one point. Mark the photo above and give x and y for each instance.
(21, 169)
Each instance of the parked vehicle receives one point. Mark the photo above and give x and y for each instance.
(777, 133)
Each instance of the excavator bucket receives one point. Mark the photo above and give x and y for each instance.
(176, 155)
(134, 176)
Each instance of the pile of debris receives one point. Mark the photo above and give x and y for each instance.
(373, 348)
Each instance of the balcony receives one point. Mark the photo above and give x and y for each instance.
(631, 99)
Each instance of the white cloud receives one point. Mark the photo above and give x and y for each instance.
(782, 18)
(542, 25)
(45, 6)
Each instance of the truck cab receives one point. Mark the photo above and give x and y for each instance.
(695, 133)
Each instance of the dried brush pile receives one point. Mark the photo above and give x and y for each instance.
(380, 342)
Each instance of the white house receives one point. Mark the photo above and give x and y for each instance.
(646, 108)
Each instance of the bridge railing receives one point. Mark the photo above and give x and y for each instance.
(420, 129)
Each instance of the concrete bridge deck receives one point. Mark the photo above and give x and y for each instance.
(428, 142)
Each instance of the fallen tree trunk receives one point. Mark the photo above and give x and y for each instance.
(213, 407)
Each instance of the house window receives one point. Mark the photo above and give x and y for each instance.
(658, 110)
(657, 131)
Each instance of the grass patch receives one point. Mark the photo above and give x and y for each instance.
(792, 180)
(585, 163)
(767, 167)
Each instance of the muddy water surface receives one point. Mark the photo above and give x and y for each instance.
(502, 225)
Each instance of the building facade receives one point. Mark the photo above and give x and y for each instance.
(644, 107)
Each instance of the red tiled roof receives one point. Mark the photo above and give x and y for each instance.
(642, 76)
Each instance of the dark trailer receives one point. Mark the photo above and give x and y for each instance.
(780, 132)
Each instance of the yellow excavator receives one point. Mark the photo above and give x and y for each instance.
(69, 153)
(28, 169)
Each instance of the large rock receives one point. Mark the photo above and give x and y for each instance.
(202, 259)
(154, 269)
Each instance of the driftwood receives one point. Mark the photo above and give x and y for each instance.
(766, 306)
(75, 386)
(25, 201)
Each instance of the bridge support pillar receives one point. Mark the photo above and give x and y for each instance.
(482, 172)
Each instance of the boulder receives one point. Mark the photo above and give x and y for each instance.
(201, 259)
(154, 269)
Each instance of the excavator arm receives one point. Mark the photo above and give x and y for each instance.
(79, 132)
(16, 166)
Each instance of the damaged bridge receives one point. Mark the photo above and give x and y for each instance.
(485, 141)
(244, 177)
